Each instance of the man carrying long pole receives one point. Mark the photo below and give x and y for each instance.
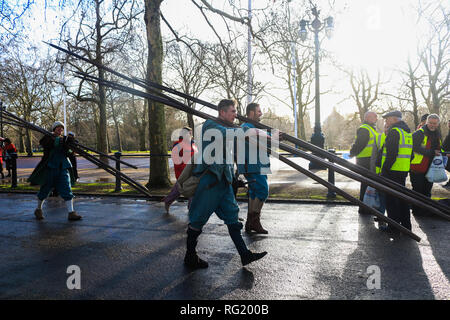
(53, 171)
(214, 192)
(256, 174)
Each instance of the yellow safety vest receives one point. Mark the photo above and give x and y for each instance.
(367, 151)
(419, 157)
(381, 138)
(405, 144)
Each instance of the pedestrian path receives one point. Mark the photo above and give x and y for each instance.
(131, 249)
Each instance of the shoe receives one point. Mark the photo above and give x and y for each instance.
(166, 206)
(73, 216)
(193, 261)
(364, 212)
(253, 225)
(39, 214)
(251, 256)
(382, 226)
(392, 232)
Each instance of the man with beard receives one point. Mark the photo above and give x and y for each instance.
(427, 143)
(255, 172)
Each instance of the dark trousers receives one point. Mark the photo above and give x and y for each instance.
(421, 185)
(397, 209)
(365, 163)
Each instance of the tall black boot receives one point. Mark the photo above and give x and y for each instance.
(246, 255)
(191, 259)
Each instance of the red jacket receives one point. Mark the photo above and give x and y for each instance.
(179, 162)
(10, 148)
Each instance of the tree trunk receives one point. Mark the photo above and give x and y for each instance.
(21, 144)
(116, 125)
(143, 128)
(102, 140)
(28, 146)
(159, 166)
(108, 143)
(190, 117)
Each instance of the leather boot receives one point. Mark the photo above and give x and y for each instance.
(39, 214)
(246, 255)
(255, 222)
(191, 258)
(73, 216)
(250, 216)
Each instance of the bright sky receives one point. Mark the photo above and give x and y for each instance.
(370, 34)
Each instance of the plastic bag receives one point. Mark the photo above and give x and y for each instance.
(436, 172)
(372, 198)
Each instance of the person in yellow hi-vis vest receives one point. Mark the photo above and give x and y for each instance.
(395, 165)
(365, 147)
(427, 143)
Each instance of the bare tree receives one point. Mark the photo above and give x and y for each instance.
(188, 72)
(435, 58)
(25, 82)
(102, 31)
(365, 91)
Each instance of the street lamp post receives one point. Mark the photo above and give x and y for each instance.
(316, 26)
(1, 118)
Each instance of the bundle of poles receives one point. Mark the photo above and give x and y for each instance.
(153, 92)
(82, 150)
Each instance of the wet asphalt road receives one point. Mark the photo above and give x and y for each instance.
(131, 249)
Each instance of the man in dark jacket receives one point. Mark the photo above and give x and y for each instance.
(446, 147)
(427, 143)
(72, 158)
(365, 147)
(395, 165)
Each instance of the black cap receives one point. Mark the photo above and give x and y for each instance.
(424, 117)
(395, 113)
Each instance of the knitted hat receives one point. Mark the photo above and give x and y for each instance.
(57, 124)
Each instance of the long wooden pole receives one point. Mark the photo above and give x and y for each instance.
(136, 185)
(149, 86)
(288, 148)
(295, 166)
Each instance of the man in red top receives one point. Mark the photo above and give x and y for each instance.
(423, 121)
(427, 143)
(8, 149)
(180, 158)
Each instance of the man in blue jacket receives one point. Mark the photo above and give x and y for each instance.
(53, 171)
(214, 192)
(255, 170)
